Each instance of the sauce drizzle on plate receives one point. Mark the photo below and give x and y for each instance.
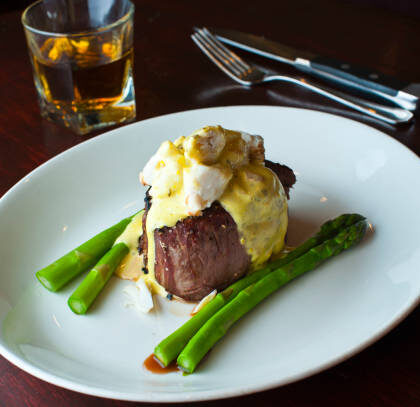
(153, 365)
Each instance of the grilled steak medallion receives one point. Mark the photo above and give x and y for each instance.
(203, 253)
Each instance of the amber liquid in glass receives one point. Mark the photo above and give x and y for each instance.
(88, 87)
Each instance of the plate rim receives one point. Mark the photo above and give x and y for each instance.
(170, 397)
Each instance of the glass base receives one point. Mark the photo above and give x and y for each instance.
(83, 118)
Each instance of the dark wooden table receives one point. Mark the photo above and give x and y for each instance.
(172, 75)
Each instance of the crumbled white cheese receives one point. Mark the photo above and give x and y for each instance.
(199, 167)
(205, 145)
(203, 185)
(139, 296)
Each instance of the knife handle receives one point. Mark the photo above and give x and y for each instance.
(386, 114)
(359, 76)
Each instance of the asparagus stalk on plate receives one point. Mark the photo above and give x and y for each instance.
(63, 270)
(80, 301)
(168, 349)
(218, 325)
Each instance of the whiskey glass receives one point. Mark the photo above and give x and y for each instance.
(82, 57)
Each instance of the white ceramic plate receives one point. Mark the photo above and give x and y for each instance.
(313, 323)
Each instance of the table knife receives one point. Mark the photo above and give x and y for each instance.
(362, 81)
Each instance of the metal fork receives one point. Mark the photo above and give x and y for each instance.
(249, 75)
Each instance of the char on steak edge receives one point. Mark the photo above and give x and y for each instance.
(202, 253)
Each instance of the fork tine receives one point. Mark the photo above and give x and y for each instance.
(203, 46)
(222, 51)
(224, 59)
(226, 51)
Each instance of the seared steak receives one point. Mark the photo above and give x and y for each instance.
(202, 253)
(284, 173)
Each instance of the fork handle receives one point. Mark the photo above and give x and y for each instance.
(392, 115)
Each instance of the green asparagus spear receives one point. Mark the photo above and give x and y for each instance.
(95, 281)
(328, 230)
(167, 350)
(63, 270)
(218, 325)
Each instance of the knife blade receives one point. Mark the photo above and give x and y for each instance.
(354, 79)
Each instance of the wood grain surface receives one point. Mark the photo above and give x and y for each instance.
(172, 75)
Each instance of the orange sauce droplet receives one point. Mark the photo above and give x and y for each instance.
(153, 365)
